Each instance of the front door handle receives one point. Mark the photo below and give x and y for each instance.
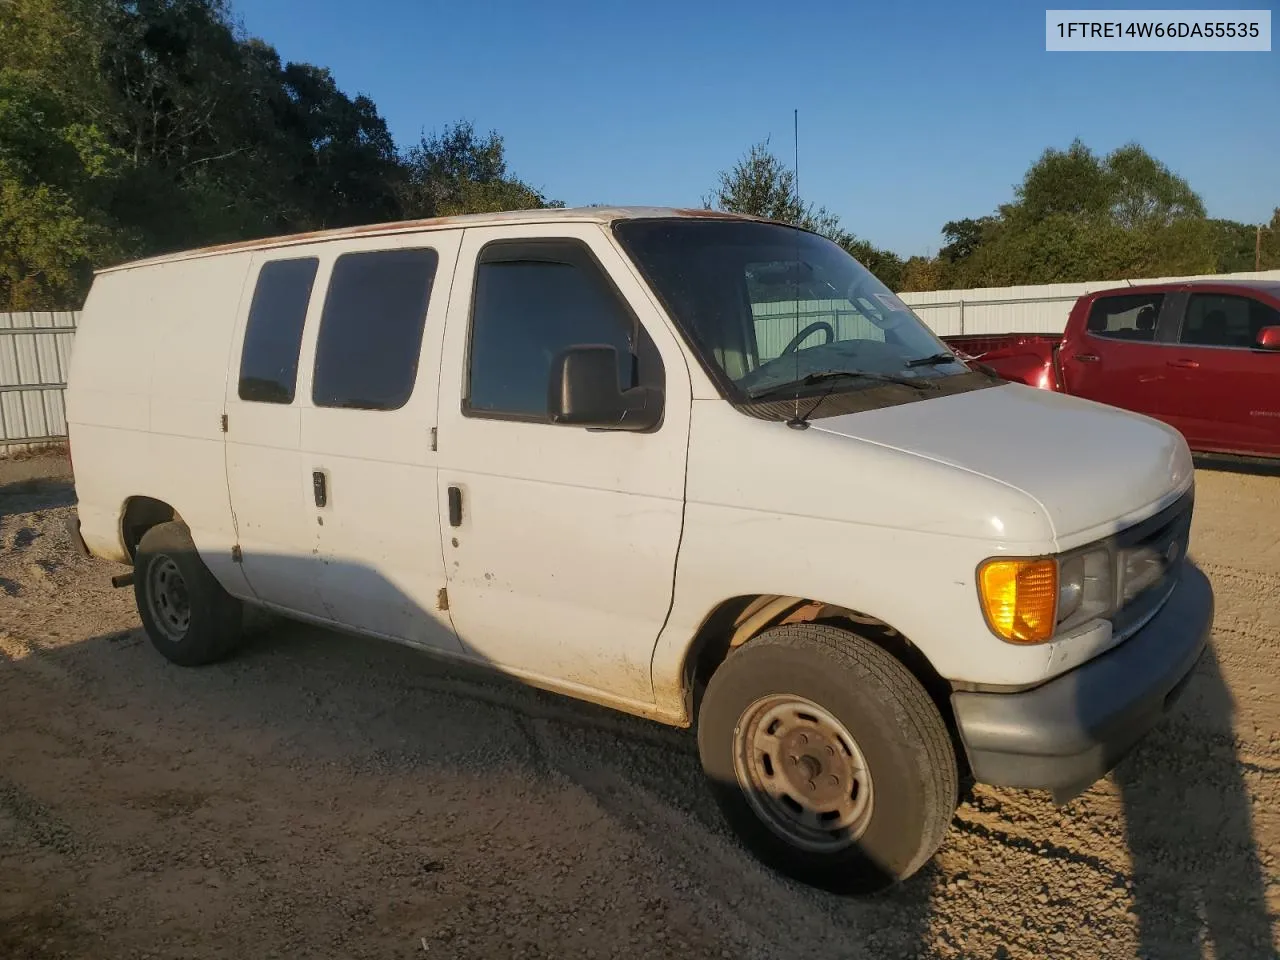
(1184, 364)
(455, 506)
(320, 487)
(1086, 357)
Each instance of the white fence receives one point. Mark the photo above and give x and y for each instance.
(1033, 309)
(35, 348)
(35, 351)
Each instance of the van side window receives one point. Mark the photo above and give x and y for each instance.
(1222, 320)
(273, 332)
(371, 329)
(532, 300)
(1131, 317)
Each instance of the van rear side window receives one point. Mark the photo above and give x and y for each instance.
(273, 333)
(371, 329)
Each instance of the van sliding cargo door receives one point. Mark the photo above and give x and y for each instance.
(367, 418)
(275, 534)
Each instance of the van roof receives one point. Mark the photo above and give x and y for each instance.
(552, 214)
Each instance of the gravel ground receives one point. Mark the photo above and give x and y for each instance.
(324, 796)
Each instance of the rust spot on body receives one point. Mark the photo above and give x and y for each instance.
(698, 213)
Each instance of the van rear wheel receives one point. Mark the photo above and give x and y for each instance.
(828, 758)
(186, 613)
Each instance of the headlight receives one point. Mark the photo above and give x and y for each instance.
(1084, 587)
(1141, 567)
(1031, 600)
(1070, 587)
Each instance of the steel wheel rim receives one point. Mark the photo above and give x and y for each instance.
(168, 598)
(803, 773)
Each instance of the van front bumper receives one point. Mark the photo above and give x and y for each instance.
(1067, 733)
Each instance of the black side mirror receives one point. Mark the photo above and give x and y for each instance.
(584, 392)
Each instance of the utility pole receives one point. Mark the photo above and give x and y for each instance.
(1257, 250)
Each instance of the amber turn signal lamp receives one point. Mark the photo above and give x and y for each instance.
(1020, 598)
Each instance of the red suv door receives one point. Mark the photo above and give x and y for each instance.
(1115, 358)
(1224, 391)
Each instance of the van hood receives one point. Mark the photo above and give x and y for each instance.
(1091, 468)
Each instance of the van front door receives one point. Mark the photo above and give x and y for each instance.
(560, 542)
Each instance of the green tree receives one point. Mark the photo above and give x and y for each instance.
(964, 236)
(886, 265)
(1143, 193)
(1270, 243)
(129, 127)
(456, 172)
(923, 273)
(46, 245)
(1080, 216)
(1232, 245)
(57, 165)
(1127, 187)
(227, 142)
(760, 185)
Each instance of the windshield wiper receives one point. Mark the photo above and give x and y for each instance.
(934, 360)
(822, 375)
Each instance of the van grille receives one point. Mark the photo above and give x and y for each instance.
(1148, 558)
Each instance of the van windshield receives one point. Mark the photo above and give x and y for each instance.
(774, 309)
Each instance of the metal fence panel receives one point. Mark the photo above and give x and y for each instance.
(1042, 308)
(778, 321)
(35, 355)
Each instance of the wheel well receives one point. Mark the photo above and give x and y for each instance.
(736, 621)
(140, 515)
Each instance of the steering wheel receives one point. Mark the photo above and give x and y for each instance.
(804, 334)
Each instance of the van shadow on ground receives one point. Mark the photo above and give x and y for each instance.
(1197, 875)
(30, 496)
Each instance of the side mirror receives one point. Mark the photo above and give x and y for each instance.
(1269, 338)
(584, 392)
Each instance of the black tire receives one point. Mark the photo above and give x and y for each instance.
(900, 739)
(186, 613)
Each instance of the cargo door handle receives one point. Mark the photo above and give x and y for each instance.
(455, 507)
(320, 487)
(1086, 357)
(1185, 364)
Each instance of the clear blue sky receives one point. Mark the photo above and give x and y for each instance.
(911, 114)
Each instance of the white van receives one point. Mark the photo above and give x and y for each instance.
(700, 468)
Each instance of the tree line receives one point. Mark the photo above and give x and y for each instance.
(1075, 216)
(133, 127)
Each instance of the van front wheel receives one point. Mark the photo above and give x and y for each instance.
(186, 613)
(828, 758)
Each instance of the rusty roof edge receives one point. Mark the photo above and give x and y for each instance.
(604, 215)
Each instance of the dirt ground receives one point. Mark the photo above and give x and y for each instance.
(323, 796)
